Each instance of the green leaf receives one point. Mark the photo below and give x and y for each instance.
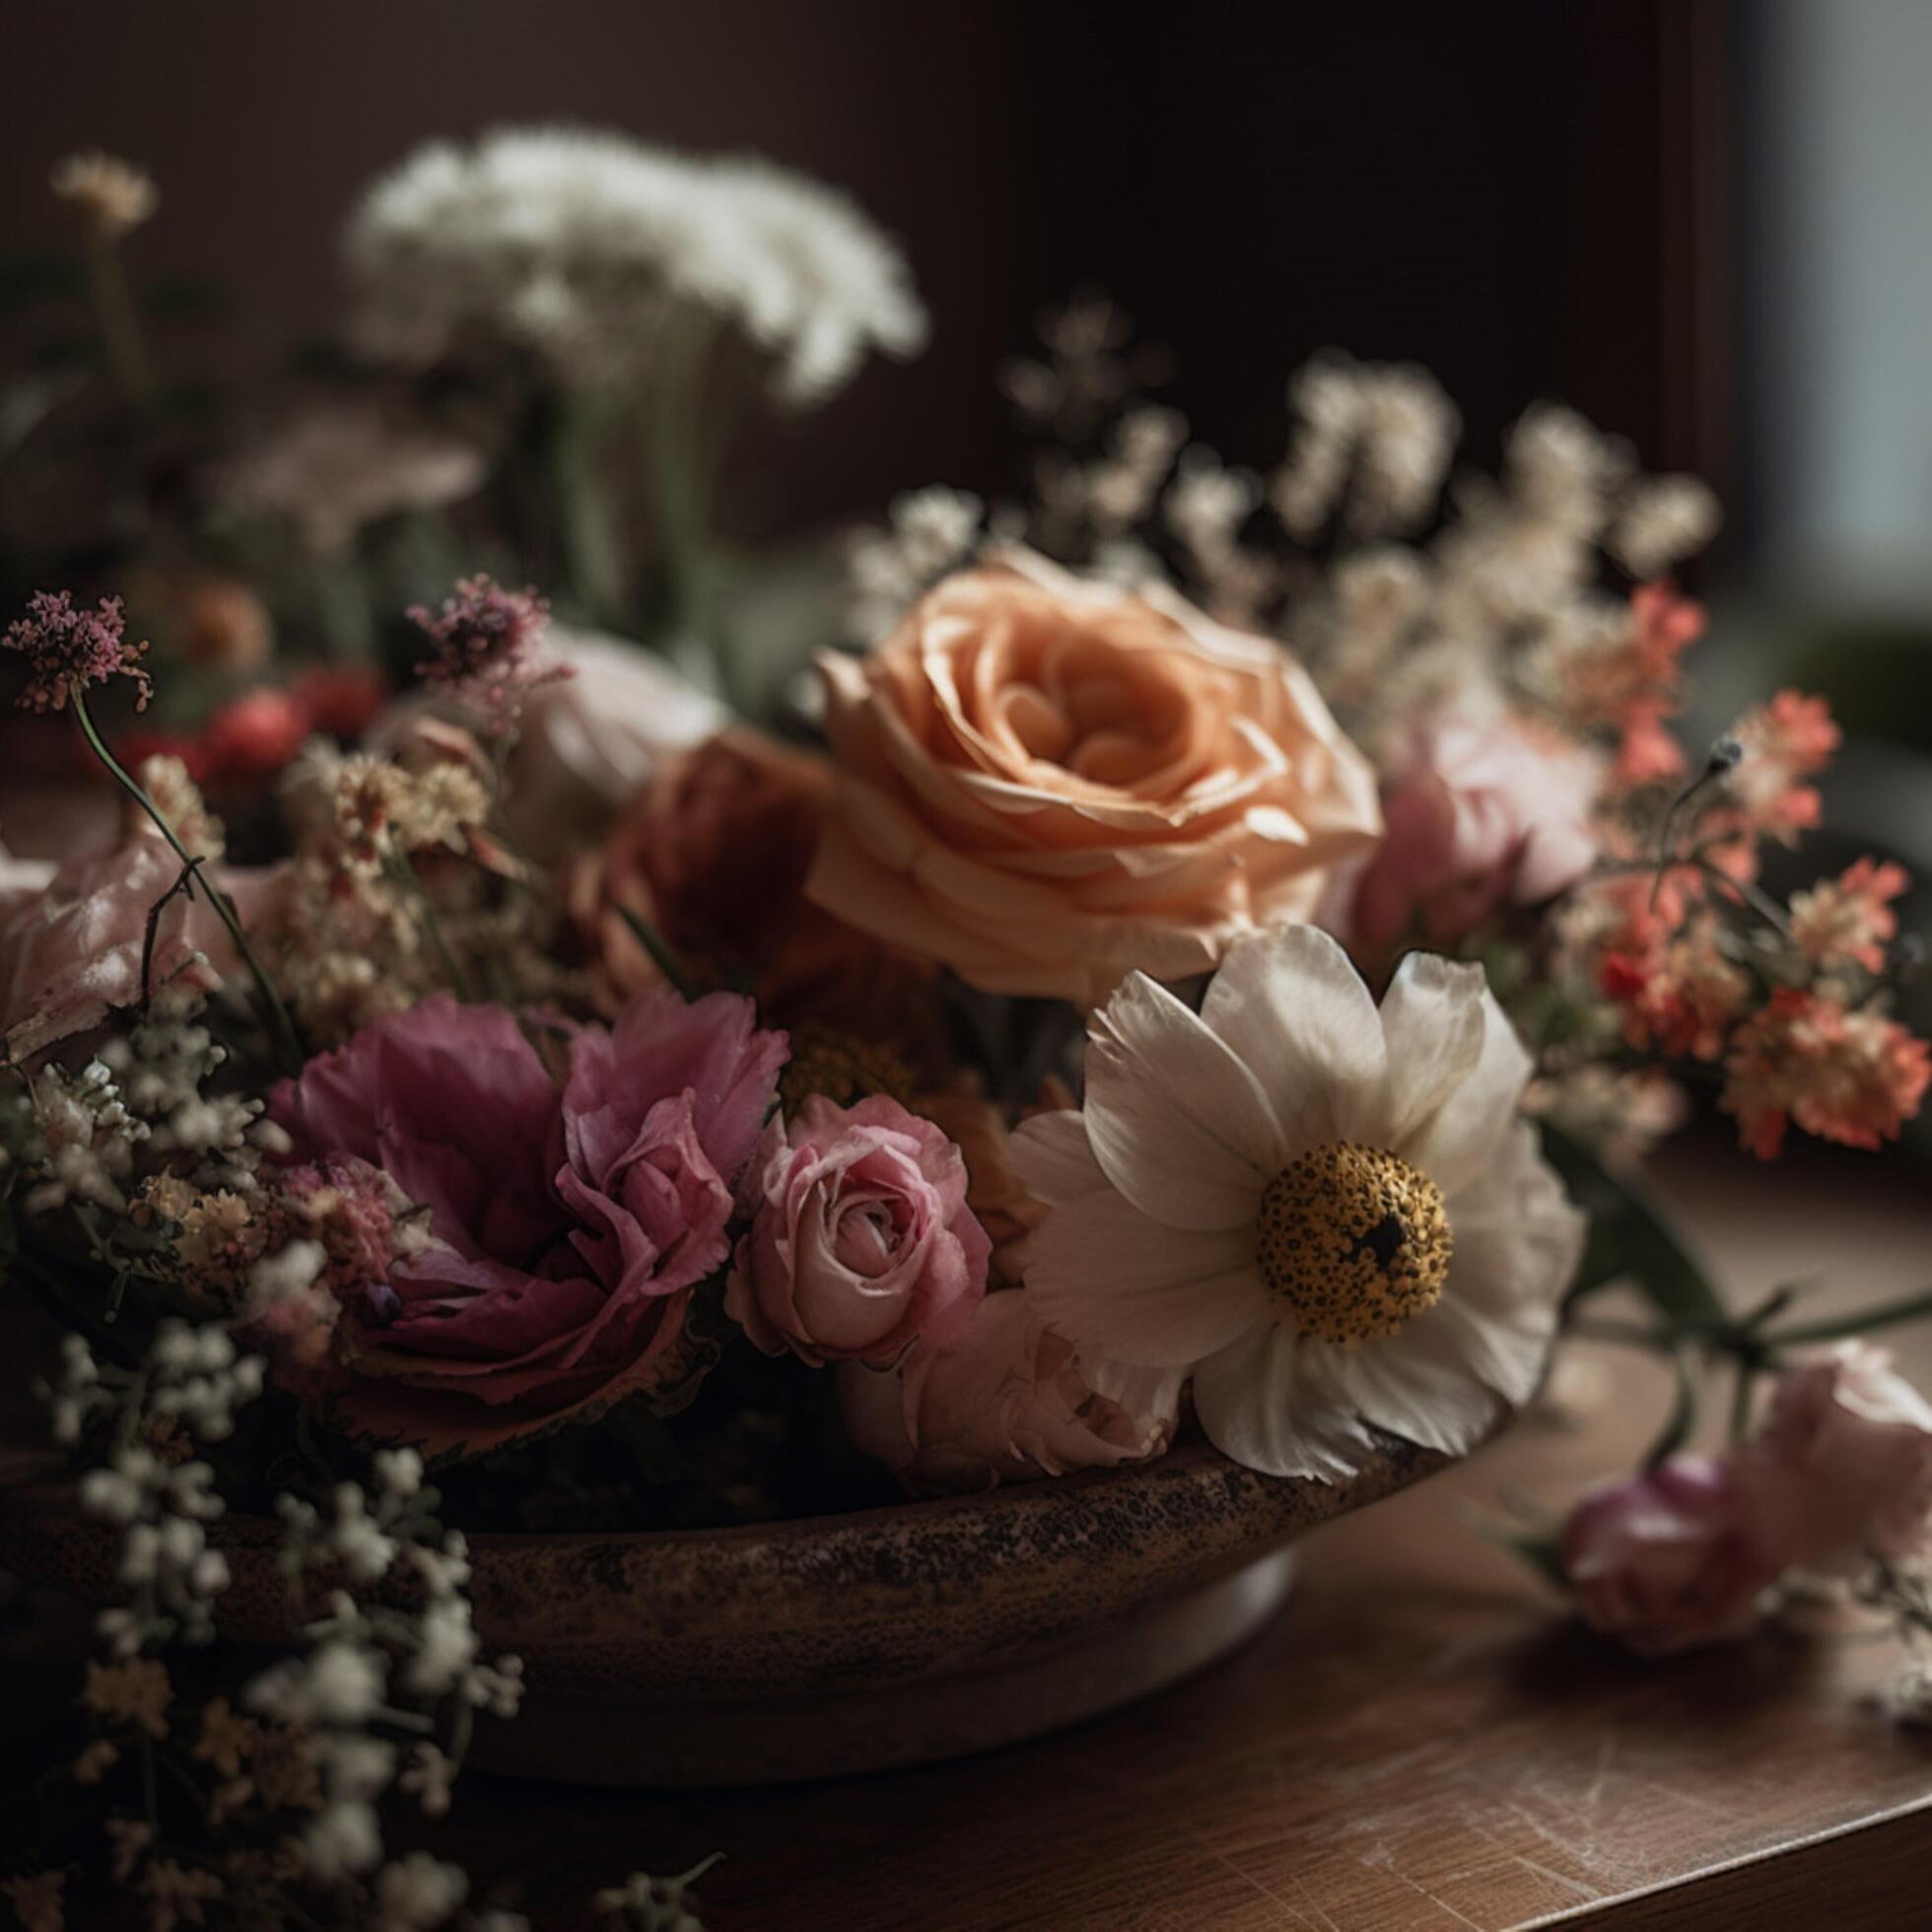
(663, 957)
(1887, 1314)
(1631, 1239)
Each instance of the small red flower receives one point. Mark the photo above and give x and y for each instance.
(255, 735)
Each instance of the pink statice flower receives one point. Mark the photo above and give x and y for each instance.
(1668, 1559)
(862, 1242)
(1785, 741)
(1849, 1075)
(1479, 815)
(70, 649)
(1006, 1399)
(572, 1218)
(1842, 1470)
(488, 650)
(1678, 993)
(1849, 920)
(1629, 686)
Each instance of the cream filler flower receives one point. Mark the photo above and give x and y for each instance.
(1334, 1216)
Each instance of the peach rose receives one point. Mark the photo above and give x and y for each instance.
(1005, 1398)
(1045, 783)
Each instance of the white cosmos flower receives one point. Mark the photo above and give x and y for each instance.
(1333, 1216)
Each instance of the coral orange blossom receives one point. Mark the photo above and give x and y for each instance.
(1046, 784)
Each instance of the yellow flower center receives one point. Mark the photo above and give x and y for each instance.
(1354, 1241)
(844, 1069)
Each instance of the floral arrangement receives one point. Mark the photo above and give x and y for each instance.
(1199, 952)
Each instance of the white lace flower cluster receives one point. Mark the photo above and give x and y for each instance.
(190, 1385)
(927, 534)
(643, 1903)
(367, 1661)
(74, 1138)
(1372, 445)
(142, 1104)
(163, 1063)
(1490, 609)
(581, 245)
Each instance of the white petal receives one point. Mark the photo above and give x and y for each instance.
(1140, 1391)
(1296, 1014)
(1051, 1156)
(1517, 1236)
(1109, 1277)
(1504, 1352)
(1178, 1122)
(1270, 1403)
(1456, 1143)
(1421, 1385)
(1432, 1020)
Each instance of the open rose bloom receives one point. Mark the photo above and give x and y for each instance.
(1045, 785)
(573, 1212)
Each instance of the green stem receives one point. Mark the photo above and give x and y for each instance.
(274, 1015)
(1887, 1314)
(121, 328)
(405, 875)
(685, 464)
(1748, 893)
(661, 956)
(1740, 1392)
(587, 551)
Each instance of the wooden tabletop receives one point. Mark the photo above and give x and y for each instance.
(1422, 1739)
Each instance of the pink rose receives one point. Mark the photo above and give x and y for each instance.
(1842, 1470)
(1479, 815)
(1007, 1396)
(572, 1221)
(72, 936)
(1667, 1559)
(863, 1241)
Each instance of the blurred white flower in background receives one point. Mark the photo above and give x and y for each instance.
(581, 245)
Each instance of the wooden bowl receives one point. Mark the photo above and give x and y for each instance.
(831, 1644)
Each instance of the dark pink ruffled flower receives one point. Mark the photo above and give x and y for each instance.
(863, 1242)
(572, 1221)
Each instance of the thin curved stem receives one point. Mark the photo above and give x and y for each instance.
(275, 1014)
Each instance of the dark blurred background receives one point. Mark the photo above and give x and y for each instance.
(1702, 222)
(1529, 198)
